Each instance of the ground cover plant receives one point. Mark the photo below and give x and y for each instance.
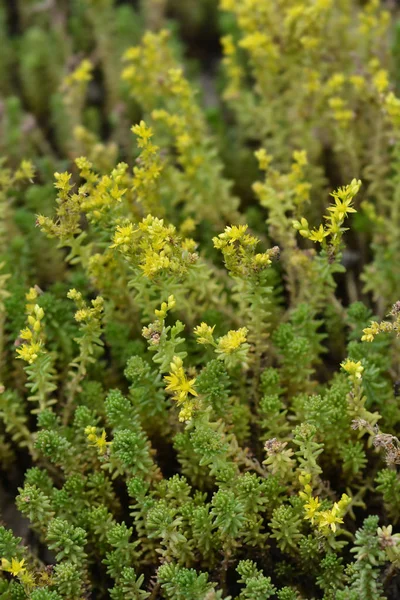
(199, 300)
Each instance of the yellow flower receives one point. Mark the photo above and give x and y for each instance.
(370, 332)
(381, 81)
(204, 333)
(231, 235)
(187, 226)
(73, 294)
(264, 159)
(232, 340)
(186, 412)
(261, 260)
(82, 74)
(27, 579)
(318, 235)
(29, 353)
(184, 141)
(392, 105)
(357, 81)
(335, 82)
(300, 157)
(181, 387)
(143, 132)
(131, 53)
(354, 369)
(97, 441)
(227, 4)
(342, 207)
(123, 235)
(14, 566)
(259, 44)
(177, 381)
(26, 334)
(81, 315)
(311, 508)
(31, 295)
(90, 432)
(330, 518)
(26, 171)
(101, 442)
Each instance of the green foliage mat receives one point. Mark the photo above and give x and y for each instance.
(199, 300)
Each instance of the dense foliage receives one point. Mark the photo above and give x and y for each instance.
(199, 300)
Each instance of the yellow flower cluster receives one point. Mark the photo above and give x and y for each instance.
(152, 67)
(155, 247)
(340, 112)
(381, 81)
(232, 68)
(266, 29)
(373, 21)
(384, 326)
(344, 93)
(82, 74)
(74, 88)
(149, 168)
(123, 237)
(343, 198)
(31, 336)
(67, 223)
(182, 389)
(25, 171)
(238, 249)
(29, 352)
(204, 334)
(392, 107)
(326, 520)
(353, 368)
(97, 441)
(232, 341)
(260, 47)
(188, 137)
(16, 568)
(234, 234)
(283, 194)
(88, 316)
(257, 38)
(232, 347)
(187, 226)
(99, 197)
(62, 184)
(158, 81)
(146, 65)
(102, 195)
(370, 332)
(338, 212)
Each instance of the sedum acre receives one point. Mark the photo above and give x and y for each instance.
(200, 300)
